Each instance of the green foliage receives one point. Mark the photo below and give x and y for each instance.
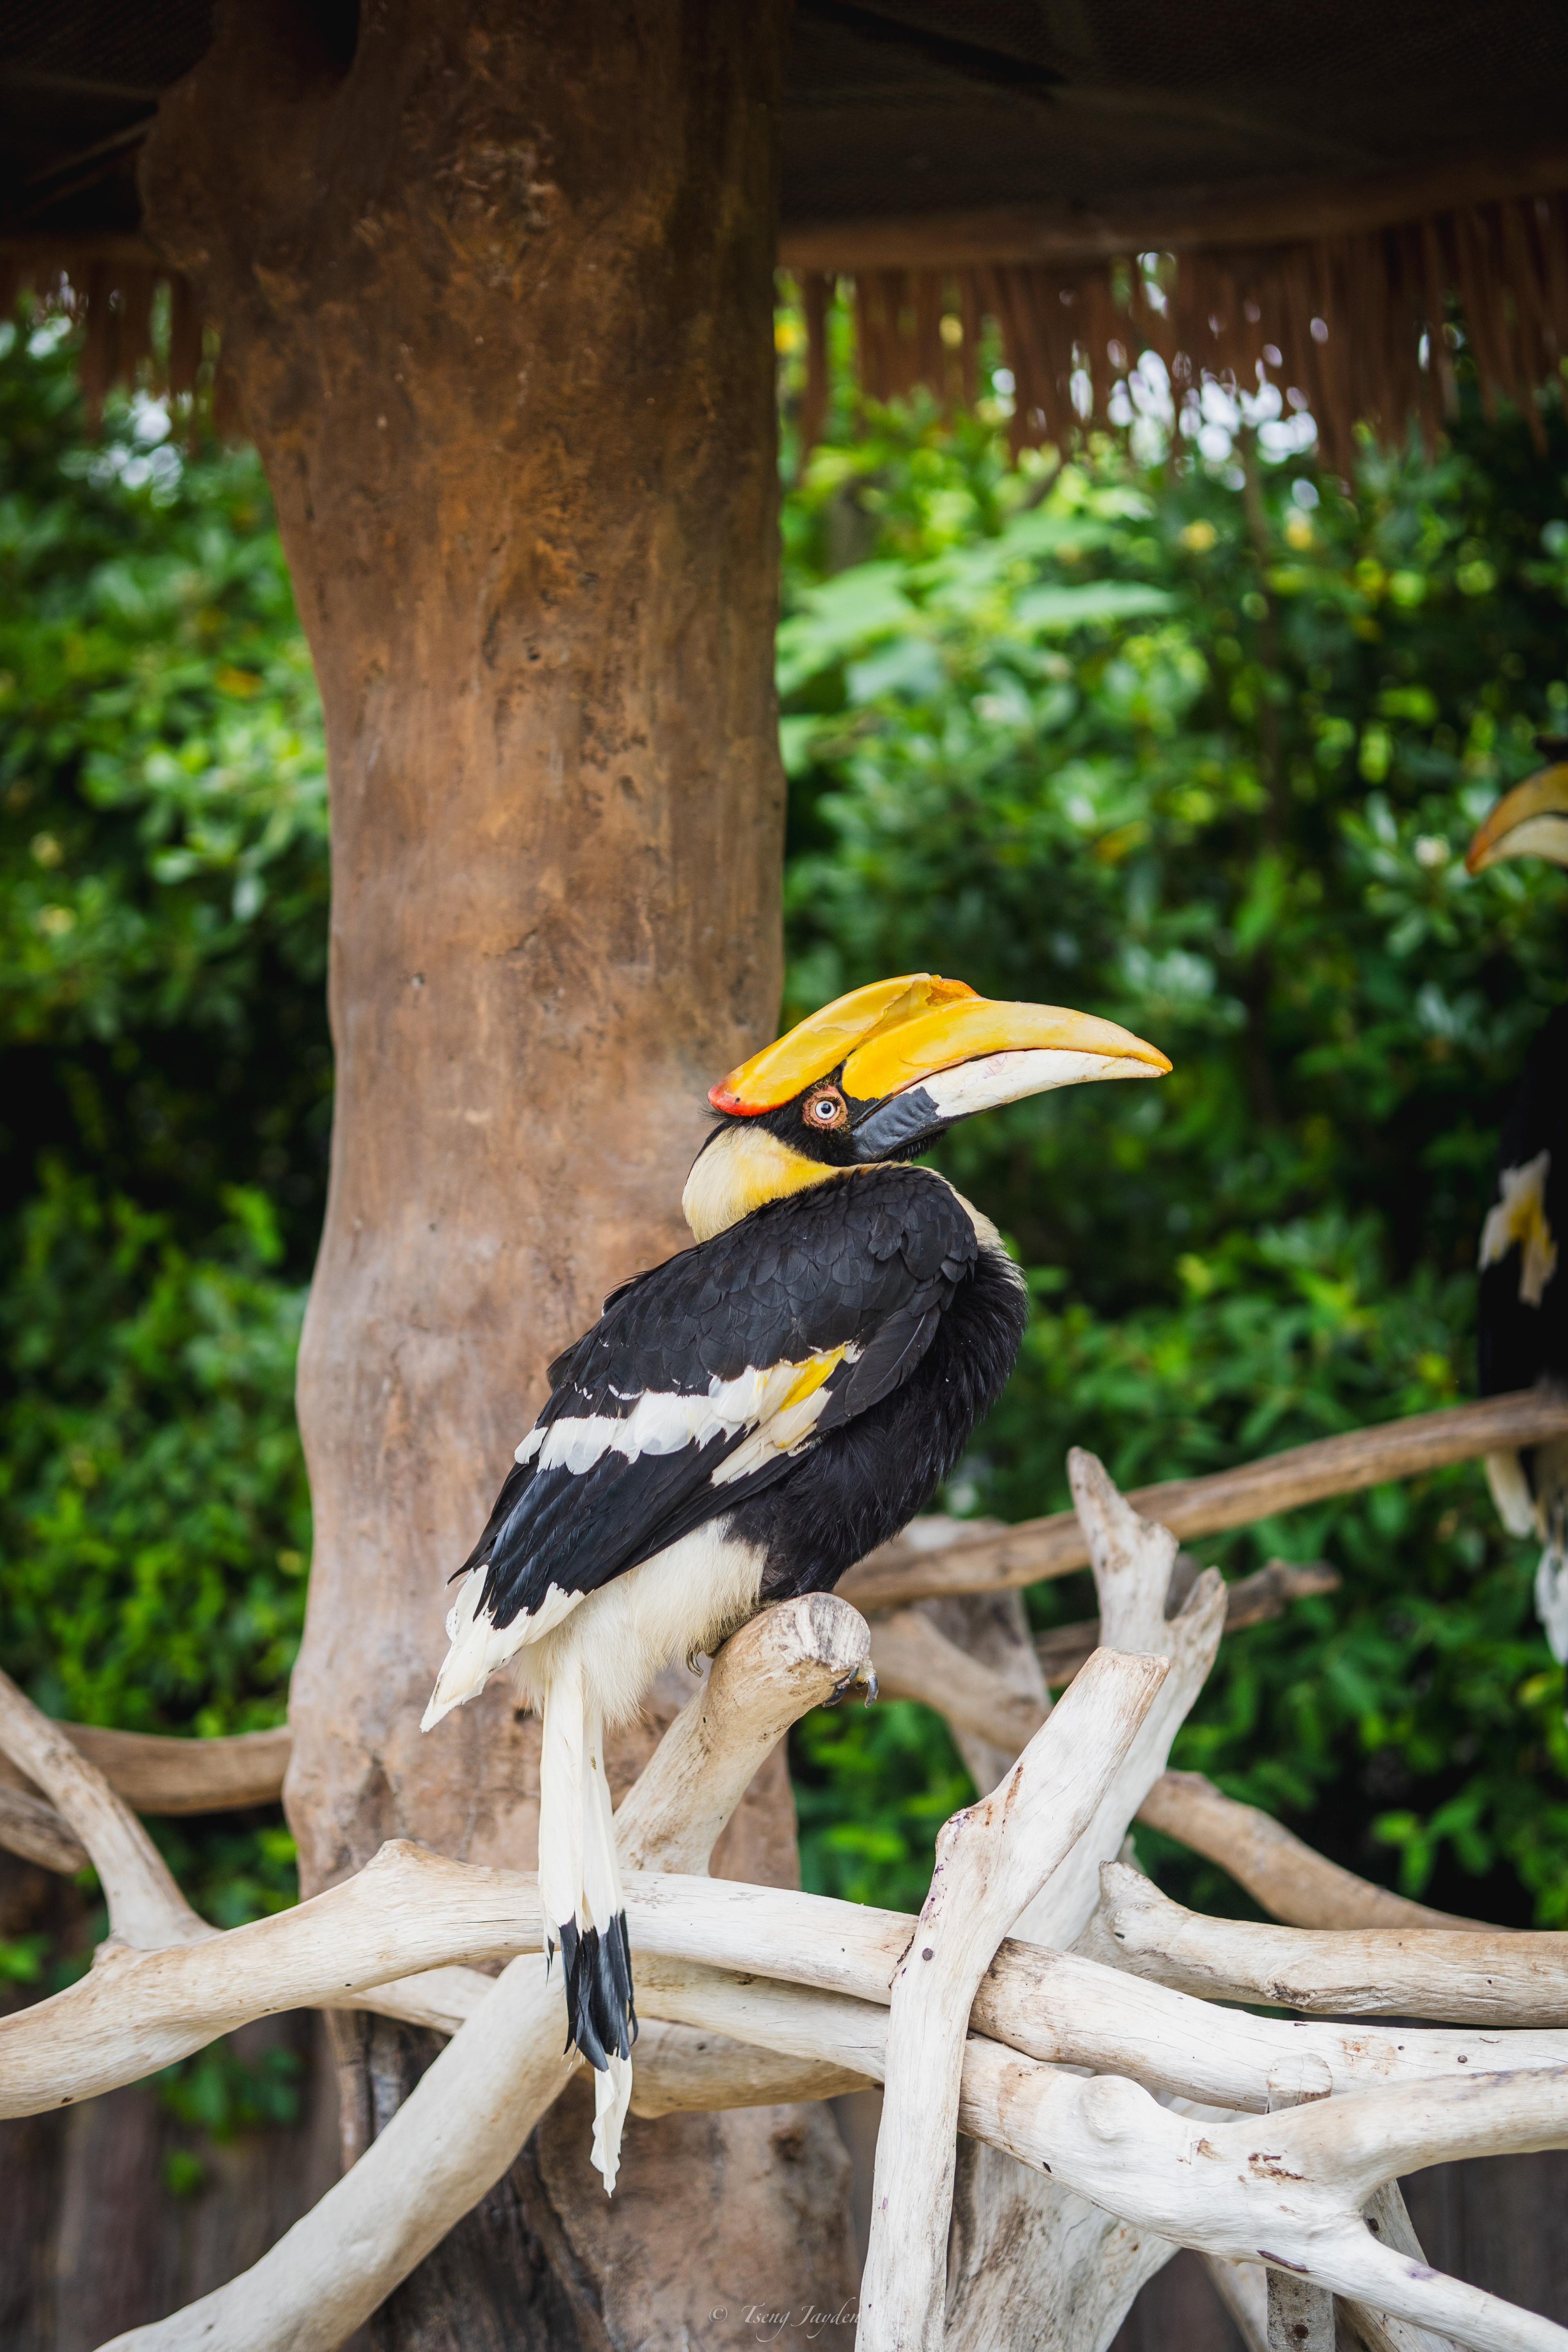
(873, 1786)
(217, 2095)
(151, 1492)
(1199, 745)
(166, 1084)
(162, 817)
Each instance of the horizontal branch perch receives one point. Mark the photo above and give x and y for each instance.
(1039, 1549)
(1476, 1976)
(1277, 1869)
(360, 1945)
(1074, 2013)
(726, 1968)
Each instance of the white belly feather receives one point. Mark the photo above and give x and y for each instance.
(685, 1599)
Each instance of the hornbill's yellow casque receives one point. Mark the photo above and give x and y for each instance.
(752, 1417)
(1523, 1318)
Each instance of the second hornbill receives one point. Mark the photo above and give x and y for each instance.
(1523, 1316)
(751, 1418)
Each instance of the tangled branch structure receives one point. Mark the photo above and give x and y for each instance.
(1068, 2096)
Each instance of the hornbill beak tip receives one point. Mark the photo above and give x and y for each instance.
(963, 1058)
(1532, 821)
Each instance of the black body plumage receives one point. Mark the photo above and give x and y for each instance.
(887, 1265)
(865, 1480)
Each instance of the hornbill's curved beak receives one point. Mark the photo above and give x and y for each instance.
(912, 1055)
(1529, 822)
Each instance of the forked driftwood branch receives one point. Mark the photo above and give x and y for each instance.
(146, 1909)
(359, 1943)
(471, 2113)
(759, 1994)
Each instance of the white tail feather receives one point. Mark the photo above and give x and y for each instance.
(579, 1878)
(479, 1646)
(560, 1791)
(601, 1870)
(611, 2096)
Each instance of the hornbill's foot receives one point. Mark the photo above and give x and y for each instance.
(864, 1677)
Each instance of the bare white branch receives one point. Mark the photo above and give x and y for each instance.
(140, 2010)
(990, 1863)
(1480, 1977)
(778, 1667)
(755, 1994)
(1132, 1559)
(916, 1660)
(1389, 2223)
(469, 2115)
(146, 1909)
(1286, 2189)
(1250, 1600)
(357, 1946)
(685, 2068)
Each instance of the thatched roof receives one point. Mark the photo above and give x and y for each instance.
(1357, 167)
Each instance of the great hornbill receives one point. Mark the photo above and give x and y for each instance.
(752, 1417)
(1523, 1316)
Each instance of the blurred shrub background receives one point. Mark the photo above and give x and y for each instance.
(1193, 739)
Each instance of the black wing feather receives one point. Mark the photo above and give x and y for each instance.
(868, 1259)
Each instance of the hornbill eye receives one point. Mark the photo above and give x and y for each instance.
(825, 1106)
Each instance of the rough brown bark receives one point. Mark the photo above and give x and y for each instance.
(495, 294)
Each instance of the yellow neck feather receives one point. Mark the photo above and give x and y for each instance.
(742, 1168)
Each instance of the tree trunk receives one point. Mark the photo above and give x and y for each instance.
(493, 282)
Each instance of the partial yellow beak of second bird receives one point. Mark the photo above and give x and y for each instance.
(1529, 822)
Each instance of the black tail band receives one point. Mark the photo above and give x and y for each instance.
(601, 2015)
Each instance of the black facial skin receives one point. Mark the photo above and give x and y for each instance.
(901, 1128)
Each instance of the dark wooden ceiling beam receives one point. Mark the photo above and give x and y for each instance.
(1244, 214)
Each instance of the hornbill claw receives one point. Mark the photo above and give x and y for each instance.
(866, 1674)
